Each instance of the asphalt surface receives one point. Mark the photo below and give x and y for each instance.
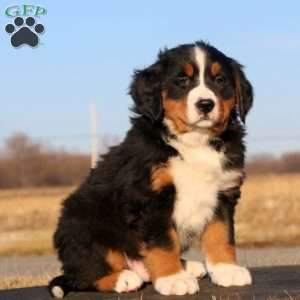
(49, 265)
(280, 283)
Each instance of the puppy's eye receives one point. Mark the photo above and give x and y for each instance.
(182, 81)
(221, 80)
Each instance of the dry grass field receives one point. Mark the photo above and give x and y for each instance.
(28, 218)
(21, 282)
(268, 214)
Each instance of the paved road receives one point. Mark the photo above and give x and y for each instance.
(49, 266)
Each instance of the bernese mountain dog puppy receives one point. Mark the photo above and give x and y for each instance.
(172, 184)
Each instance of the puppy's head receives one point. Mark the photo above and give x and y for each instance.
(192, 87)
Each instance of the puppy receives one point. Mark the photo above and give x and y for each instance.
(171, 184)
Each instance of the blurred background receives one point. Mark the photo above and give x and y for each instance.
(67, 97)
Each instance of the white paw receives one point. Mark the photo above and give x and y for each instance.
(128, 281)
(181, 283)
(195, 268)
(229, 274)
(138, 267)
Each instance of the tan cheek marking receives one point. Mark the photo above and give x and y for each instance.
(161, 177)
(215, 243)
(189, 70)
(162, 262)
(215, 69)
(175, 110)
(226, 107)
(107, 283)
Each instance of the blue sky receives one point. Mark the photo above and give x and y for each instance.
(90, 48)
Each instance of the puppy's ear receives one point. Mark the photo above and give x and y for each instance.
(146, 92)
(244, 90)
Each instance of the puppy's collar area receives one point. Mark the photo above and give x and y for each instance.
(216, 143)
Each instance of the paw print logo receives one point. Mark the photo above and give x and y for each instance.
(24, 33)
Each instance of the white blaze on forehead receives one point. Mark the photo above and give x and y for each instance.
(200, 57)
(201, 91)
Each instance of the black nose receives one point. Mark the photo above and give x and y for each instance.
(205, 105)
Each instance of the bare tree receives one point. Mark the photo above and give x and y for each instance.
(25, 162)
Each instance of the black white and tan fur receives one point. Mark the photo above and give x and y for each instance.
(173, 183)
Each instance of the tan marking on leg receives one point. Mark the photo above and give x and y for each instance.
(160, 177)
(215, 68)
(215, 243)
(189, 70)
(162, 262)
(107, 283)
(117, 262)
(176, 111)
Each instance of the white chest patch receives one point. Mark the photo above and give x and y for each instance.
(198, 177)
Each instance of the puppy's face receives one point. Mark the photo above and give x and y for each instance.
(193, 87)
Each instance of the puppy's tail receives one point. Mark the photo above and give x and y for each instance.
(59, 286)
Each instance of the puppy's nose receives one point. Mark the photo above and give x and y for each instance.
(205, 105)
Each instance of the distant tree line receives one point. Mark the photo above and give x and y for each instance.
(266, 164)
(27, 163)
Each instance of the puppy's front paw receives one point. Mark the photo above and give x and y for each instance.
(128, 281)
(229, 274)
(195, 268)
(181, 283)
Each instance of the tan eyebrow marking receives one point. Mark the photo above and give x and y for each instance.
(189, 70)
(215, 68)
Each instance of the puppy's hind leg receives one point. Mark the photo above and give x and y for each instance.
(121, 282)
(120, 279)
